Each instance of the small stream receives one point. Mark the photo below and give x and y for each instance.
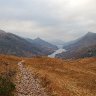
(60, 50)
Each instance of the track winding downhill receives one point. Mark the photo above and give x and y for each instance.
(27, 85)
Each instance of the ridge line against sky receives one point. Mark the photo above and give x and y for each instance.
(49, 19)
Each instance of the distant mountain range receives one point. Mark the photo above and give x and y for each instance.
(83, 47)
(12, 44)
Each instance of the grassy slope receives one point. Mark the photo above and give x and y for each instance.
(66, 77)
(59, 77)
(8, 70)
(11, 62)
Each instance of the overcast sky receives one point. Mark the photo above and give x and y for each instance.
(48, 19)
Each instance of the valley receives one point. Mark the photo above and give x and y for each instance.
(47, 47)
(11, 44)
(58, 51)
(34, 67)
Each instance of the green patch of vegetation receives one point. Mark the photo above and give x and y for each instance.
(6, 86)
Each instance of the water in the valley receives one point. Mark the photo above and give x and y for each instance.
(60, 50)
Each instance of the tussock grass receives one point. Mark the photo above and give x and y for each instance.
(58, 77)
(8, 69)
(66, 77)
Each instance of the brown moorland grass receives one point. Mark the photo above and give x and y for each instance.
(8, 71)
(8, 63)
(59, 77)
(65, 77)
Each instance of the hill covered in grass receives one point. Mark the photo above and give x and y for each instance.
(58, 77)
(65, 77)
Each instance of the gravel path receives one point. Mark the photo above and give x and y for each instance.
(26, 84)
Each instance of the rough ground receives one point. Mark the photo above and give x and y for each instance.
(26, 85)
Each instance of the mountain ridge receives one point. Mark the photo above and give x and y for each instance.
(47, 47)
(83, 47)
(12, 44)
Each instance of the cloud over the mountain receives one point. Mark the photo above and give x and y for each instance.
(61, 19)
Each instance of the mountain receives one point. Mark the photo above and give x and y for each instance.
(15, 45)
(2, 32)
(88, 40)
(83, 47)
(70, 43)
(44, 46)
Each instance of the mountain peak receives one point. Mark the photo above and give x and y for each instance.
(38, 38)
(90, 33)
(2, 32)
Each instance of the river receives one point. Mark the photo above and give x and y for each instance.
(60, 50)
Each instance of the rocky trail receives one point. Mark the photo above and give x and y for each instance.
(26, 84)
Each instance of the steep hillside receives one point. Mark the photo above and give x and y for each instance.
(44, 46)
(14, 45)
(44, 43)
(84, 47)
(88, 40)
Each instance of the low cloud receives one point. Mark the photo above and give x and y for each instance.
(53, 19)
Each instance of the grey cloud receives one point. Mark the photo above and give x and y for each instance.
(61, 19)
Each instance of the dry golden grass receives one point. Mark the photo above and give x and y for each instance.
(8, 63)
(8, 71)
(59, 77)
(65, 77)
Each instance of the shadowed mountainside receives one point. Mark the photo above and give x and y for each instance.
(44, 46)
(14, 45)
(84, 47)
